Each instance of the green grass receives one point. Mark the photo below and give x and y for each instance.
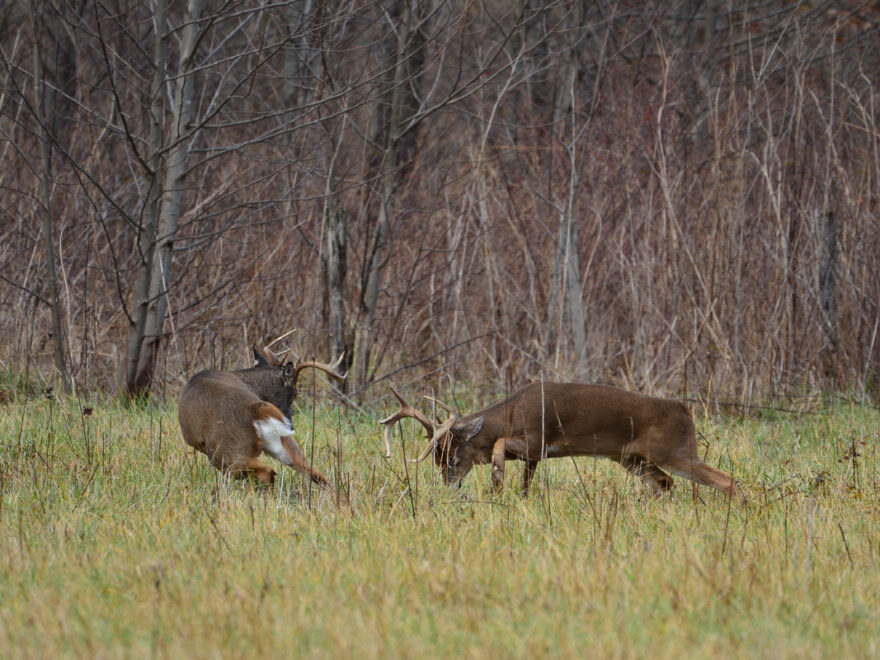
(117, 541)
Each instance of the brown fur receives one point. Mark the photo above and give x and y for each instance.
(645, 435)
(217, 411)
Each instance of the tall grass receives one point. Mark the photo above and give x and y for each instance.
(117, 541)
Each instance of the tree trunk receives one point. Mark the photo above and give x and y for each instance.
(158, 256)
(566, 265)
(830, 356)
(394, 120)
(46, 194)
(146, 238)
(335, 268)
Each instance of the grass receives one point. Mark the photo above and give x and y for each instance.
(116, 541)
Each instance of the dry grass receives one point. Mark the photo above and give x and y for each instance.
(116, 542)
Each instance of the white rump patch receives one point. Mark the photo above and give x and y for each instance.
(271, 431)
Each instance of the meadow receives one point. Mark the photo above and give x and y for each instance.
(117, 541)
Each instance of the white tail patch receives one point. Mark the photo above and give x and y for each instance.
(271, 430)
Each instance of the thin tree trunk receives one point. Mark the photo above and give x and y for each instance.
(169, 212)
(387, 184)
(46, 207)
(378, 260)
(335, 267)
(301, 62)
(566, 265)
(830, 356)
(146, 239)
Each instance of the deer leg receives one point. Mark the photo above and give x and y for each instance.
(297, 460)
(252, 468)
(659, 481)
(498, 464)
(262, 472)
(242, 465)
(284, 449)
(696, 470)
(519, 448)
(678, 454)
(709, 476)
(528, 473)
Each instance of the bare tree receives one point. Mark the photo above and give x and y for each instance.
(169, 160)
(44, 112)
(659, 196)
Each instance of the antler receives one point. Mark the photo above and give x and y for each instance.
(409, 411)
(403, 413)
(272, 358)
(331, 369)
(440, 404)
(277, 339)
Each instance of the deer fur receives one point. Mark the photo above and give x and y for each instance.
(647, 436)
(233, 417)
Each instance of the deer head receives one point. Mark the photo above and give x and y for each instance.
(454, 442)
(274, 380)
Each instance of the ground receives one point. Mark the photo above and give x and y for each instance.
(119, 541)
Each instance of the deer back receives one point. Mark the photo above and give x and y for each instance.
(217, 411)
(559, 419)
(579, 410)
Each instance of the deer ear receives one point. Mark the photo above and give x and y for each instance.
(469, 429)
(265, 358)
(288, 371)
(260, 357)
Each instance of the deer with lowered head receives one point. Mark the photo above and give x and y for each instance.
(234, 416)
(649, 437)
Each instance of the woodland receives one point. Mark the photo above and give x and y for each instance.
(673, 197)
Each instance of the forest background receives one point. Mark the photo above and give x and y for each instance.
(672, 197)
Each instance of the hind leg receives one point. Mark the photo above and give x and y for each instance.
(676, 451)
(296, 459)
(252, 468)
(652, 475)
(276, 440)
(262, 472)
(242, 464)
(696, 470)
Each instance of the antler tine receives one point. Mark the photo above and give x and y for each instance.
(439, 404)
(406, 411)
(398, 397)
(277, 359)
(441, 432)
(403, 413)
(331, 369)
(429, 448)
(277, 339)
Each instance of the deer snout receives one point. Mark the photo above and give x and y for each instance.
(455, 468)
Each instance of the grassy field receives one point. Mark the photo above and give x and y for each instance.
(117, 541)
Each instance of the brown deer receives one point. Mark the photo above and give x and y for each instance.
(644, 434)
(233, 416)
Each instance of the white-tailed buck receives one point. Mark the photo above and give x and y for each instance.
(644, 434)
(233, 416)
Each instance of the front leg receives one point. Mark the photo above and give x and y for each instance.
(528, 473)
(519, 448)
(498, 464)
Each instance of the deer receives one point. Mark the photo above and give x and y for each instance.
(234, 416)
(647, 436)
